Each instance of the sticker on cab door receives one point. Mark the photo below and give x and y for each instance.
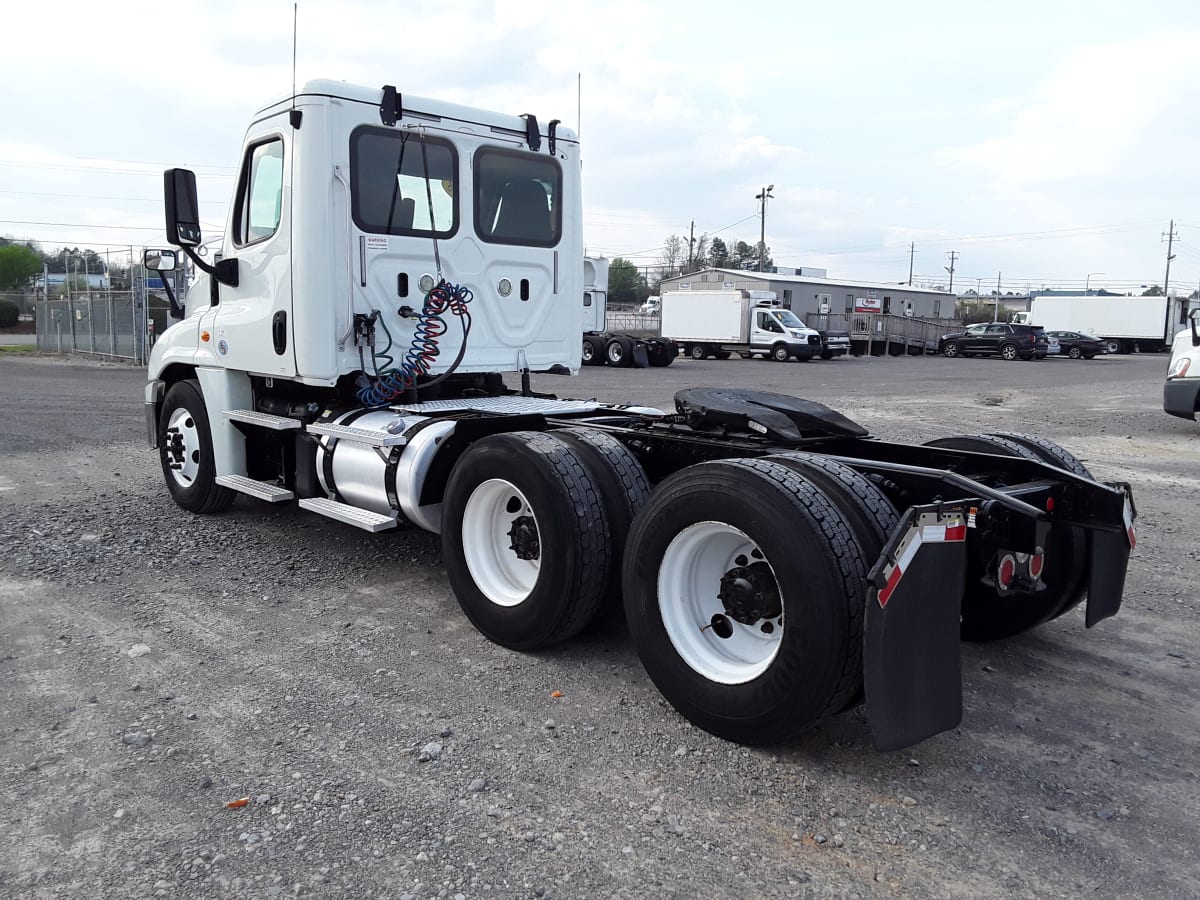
(377, 243)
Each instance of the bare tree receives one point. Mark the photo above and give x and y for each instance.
(674, 254)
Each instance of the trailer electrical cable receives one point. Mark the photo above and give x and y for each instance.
(424, 349)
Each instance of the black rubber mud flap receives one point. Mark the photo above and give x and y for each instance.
(911, 659)
(641, 359)
(1109, 552)
(784, 418)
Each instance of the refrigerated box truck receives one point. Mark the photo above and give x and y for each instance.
(719, 323)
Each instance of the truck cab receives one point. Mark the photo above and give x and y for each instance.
(1181, 393)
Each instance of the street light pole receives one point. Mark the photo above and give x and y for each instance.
(1088, 283)
(762, 233)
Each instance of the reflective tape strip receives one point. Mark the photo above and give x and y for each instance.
(925, 534)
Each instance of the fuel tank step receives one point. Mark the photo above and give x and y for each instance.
(358, 435)
(351, 515)
(263, 490)
(261, 419)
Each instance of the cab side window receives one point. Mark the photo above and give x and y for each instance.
(260, 193)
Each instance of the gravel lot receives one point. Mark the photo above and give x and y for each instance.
(155, 665)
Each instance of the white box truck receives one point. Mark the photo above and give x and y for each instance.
(1124, 323)
(752, 323)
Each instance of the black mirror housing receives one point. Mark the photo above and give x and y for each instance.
(182, 208)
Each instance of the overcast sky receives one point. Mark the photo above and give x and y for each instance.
(1046, 141)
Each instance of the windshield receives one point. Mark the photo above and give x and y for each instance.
(788, 318)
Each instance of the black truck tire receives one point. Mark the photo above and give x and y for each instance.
(624, 489)
(1059, 456)
(185, 451)
(618, 352)
(867, 509)
(593, 350)
(698, 351)
(526, 539)
(781, 353)
(661, 353)
(786, 561)
(986, 616)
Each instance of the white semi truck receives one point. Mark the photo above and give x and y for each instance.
(1123, 323)
(390, 262)
(620, 349)
(721, 323)
(1181, 393)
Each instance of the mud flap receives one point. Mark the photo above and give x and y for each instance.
(1109, 560)
(912, 665)
(641, 359)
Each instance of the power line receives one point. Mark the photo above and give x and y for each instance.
(157, 200)
(98, 170)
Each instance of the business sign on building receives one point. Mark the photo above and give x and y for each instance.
(868, 304)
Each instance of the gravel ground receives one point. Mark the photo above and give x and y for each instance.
(155, 666)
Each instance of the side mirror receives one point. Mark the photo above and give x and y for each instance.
(1194, 318)
(160, 260)
(183, 211)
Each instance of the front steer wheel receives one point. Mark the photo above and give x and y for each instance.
(185, 451)
(744, 592)
(526, 538)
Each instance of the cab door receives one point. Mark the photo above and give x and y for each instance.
(765, 330)
(252, 328)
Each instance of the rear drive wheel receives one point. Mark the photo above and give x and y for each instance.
(699, 351)
(780, 353)
(624, 489)
(661, 353)
(744, 592)
(526, 539)
(593, 351)
(988, 614)
(185, 451)
(1009, 352)
(950, 349)
(1112, 346)
(619, 352)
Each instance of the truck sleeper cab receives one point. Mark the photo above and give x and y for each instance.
(389, 260)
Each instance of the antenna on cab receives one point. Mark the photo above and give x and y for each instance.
(294, 116)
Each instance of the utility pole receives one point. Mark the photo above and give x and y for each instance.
(912, 249)
(1170, 236)
(762, 233)
(691, 244)
(953, 254)
(996, 308)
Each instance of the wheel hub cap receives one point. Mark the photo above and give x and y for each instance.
(720, 603)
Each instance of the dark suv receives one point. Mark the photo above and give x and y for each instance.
(1009, 341)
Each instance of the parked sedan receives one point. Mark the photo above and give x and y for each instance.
(1078, 346)
(1009, 341)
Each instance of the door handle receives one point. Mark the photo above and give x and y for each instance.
(279, 332)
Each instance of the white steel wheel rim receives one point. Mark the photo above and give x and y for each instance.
(183, 423)
(490, 515)
(689, 579)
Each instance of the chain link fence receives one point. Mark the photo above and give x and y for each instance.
(116, 324)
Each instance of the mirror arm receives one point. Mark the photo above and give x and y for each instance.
(177, 311)
(225, 271)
